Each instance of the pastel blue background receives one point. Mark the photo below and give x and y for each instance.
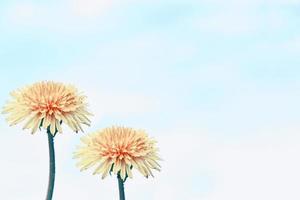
(217, 83)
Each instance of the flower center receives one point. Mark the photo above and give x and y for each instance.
(49, 108)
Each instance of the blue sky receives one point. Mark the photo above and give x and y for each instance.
(216, 82)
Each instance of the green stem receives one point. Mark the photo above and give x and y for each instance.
(121, 187)
(51, 166)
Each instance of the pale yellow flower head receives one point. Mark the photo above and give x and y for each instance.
(118, 150)
(47, 104)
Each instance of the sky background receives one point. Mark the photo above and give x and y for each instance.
(217, 83)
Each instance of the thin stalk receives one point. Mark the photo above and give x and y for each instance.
(51, 165)
(121, 187)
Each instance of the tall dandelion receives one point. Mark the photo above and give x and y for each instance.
(47, 105)
(118, 150)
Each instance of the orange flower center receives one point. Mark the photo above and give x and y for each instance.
(49, 108)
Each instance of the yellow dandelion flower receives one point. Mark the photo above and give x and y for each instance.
(47, 104)
(118, 150)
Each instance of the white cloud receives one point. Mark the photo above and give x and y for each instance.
(259, 167)
(90, 8)
(24, 167)
(241, 17)
(23, 13)
(250, 170)
(69, 16)
(248, 2)
(290, 46)
(112, 103)
(231, 22)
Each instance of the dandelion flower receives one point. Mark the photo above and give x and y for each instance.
(118, 150)
(47, 104)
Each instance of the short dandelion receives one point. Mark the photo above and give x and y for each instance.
(47, 105)
(118, 150)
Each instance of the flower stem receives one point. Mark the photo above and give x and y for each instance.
(121, 187)
(51, 165)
